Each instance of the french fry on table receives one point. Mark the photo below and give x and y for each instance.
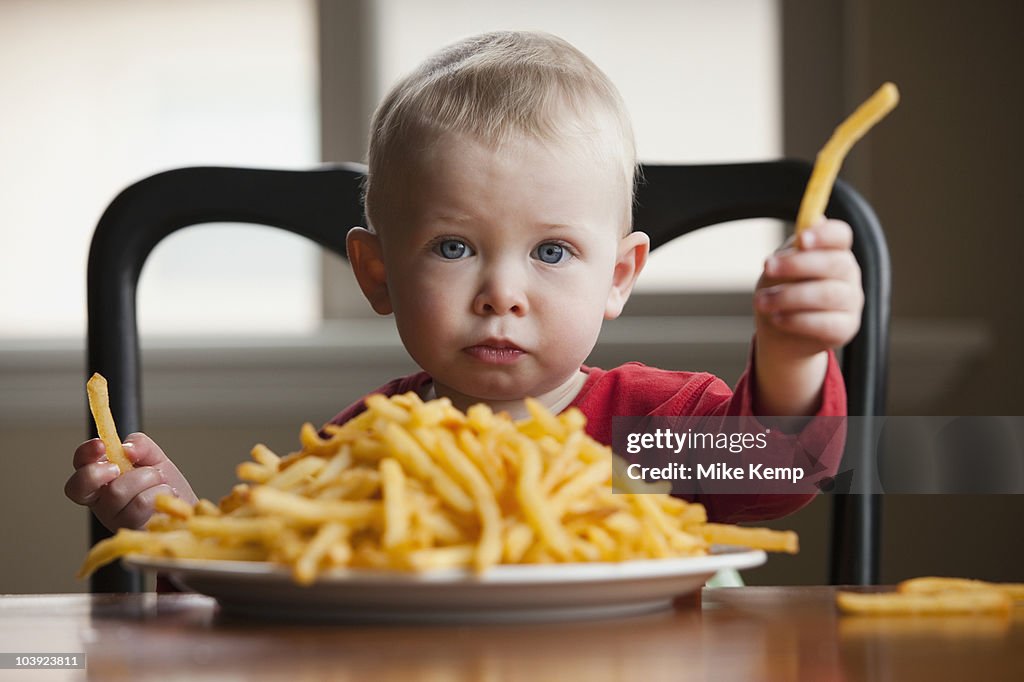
(935, 596)
(941, 603)
(933, 585)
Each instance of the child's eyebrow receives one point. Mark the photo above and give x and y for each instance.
(571, 229)
(465, 218)
(450, 218)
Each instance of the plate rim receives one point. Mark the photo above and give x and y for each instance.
(721, 557)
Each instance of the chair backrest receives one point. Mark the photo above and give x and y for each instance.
(673, 201)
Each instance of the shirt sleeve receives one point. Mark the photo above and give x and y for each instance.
(412, 382)
(817, 448)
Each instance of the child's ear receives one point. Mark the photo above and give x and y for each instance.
(630, 260)
(367, 259)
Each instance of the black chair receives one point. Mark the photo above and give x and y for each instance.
(321, 204)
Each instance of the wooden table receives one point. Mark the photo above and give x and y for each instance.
(749, 633)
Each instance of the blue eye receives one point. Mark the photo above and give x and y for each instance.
(552, 253)
(452, 249)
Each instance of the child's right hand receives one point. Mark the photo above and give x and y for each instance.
(124, 500)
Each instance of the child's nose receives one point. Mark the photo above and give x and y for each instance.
(502, 293)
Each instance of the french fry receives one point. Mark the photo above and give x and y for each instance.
(253, 472)
(206, 508)
(353, 485)
(537, 512)
(182, 545)
(161, 522)
(935, 585)
(301, 471)
(442, 557)
(396, 508)
(489, 548)
(234, 529)
(333, 470)
(441, 528)
(518, 538)
(308, 562)
(173, 506)
(591, 477)
(943, 603)
(339, 554)
(304, 511)
(758, 538)
(236, 499)
(389, 409)
(99, 405)
(416, 459)
(601, 539)
(547, 423)
(486, 460)
(124, 542)
(830, 158)
(267, 457)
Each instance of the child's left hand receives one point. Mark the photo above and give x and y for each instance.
(809, 297)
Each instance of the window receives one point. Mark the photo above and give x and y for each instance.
(101, 93)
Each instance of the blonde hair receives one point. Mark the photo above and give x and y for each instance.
(493, 87)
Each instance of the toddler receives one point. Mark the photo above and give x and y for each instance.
(499, 204)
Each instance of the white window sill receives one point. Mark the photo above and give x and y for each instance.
(232, 380)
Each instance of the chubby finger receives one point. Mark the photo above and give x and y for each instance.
(829, 328)
(140, 509)
(143, 450)
(816, 264)
(826, 234)
(117, 494)
(84, 486)
(822, 295)
(89, 452)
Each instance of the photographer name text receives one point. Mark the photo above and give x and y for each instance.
(717, 471)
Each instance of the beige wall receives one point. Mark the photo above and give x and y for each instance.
(946, 175)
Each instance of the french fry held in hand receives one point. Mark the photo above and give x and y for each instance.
(409, 485)
(830, 158)
(99, 405)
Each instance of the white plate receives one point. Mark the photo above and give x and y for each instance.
(503, 594)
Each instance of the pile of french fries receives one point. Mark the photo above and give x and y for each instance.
(413, 485)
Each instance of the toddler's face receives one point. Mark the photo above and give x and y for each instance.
(501, 264)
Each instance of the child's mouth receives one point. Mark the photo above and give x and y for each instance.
(498, 354)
